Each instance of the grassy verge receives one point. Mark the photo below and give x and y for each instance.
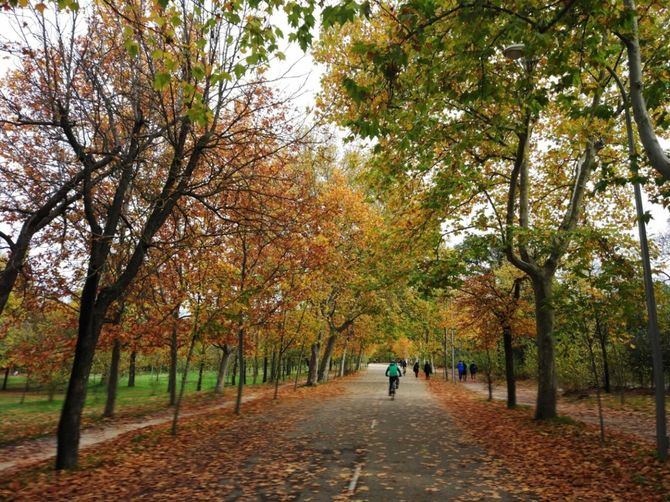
(38, 416)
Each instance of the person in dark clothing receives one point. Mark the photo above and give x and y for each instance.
(461, 369)
(403, 365)
(473, 371)
(427, 369)
(416, 369)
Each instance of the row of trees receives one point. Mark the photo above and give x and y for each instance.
(507, 120)
(161, 198)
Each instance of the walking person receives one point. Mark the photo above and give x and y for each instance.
(461, 368)
(473, 371)
(416, 369)
(427, 369)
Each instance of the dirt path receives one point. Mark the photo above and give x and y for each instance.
(406, 449)
(23, 454)
(626, 422)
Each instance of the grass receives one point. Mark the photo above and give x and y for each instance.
(37, 416)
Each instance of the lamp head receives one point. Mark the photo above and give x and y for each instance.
(514, 51)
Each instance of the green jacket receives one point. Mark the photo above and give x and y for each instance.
(393, 370)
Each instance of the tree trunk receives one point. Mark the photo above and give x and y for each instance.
(184, 378)
(234, 376)
(6, 378)
(90, 325)
(325, 361)
(297, 373)
(174, 348)
(546, 374)
(131, 369)
(240, 386)
(312, 376)
(223, 369)
(489, 370)
(273, 367)
(359, 360)
(265, 368)
(601, 331)
(509, 367)
(344, 359)
(113, 380)
(25, 389)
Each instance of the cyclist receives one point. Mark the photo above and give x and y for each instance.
(394, 373)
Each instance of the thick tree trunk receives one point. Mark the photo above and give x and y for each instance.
(327, 355)
(223, 369)
(265, 368)
(90, 325)
(546, 374)
(132, 368)
(6, 378)
(509, 367)
(113, 380)
(312, 375)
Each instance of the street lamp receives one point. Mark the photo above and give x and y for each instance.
(514, 51)
(517, 52)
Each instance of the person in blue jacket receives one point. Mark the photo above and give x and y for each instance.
(461, 370)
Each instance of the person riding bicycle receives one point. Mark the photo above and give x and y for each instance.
(394, 373)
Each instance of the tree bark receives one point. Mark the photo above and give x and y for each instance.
(131, 369)
(174, 350)
(312, 375)
(240, 386)
(90, 325)
(601, 332)
(327, 355)
(509, 367)
(6, 378)
(546, 374)
(198, 387)
(223, 369)
(113, 380)
(175, 417)
(343, 361)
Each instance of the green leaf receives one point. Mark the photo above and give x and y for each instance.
(161, 80)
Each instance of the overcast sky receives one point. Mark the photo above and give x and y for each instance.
(304, 79)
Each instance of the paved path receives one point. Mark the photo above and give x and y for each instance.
(406, 449)
(36, 450)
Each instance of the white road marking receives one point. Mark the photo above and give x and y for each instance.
(354, 480)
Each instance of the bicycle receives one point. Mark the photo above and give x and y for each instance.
(393, 388)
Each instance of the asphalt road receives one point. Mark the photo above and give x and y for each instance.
(405, 449)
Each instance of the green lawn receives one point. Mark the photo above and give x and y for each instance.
(37, 416)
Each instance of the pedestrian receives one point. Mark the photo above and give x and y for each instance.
(473, 371)
(461, 368)
(416, 369)
(427, 369)
(403, 364)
